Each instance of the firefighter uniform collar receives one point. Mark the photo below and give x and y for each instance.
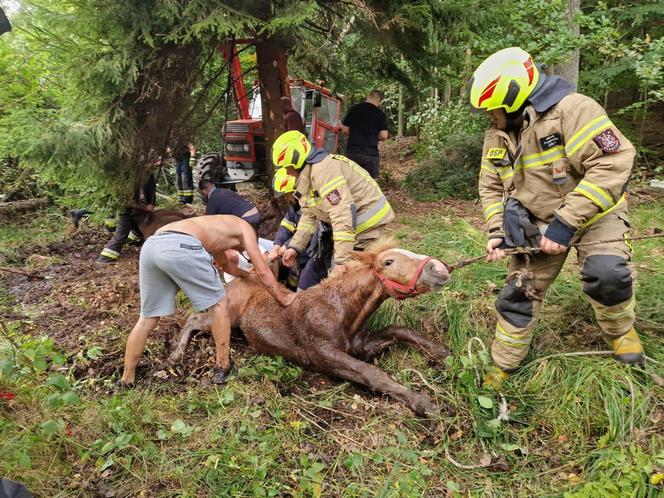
(303, 182)
(551, 91)
(316, 155)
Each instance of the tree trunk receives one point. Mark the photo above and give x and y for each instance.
(570, 70)
(18, 183)
(273, 77)
(400, 113)
(467, 71)
(271, 60)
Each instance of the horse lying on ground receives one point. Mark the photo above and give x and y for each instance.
(156, 219)
(324, 329)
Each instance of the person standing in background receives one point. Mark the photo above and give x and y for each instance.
(185, 160)
(292, 118)
(365, 125)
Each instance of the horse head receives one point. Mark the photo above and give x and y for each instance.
(404, 273)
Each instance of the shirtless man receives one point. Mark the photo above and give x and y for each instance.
(180, 256)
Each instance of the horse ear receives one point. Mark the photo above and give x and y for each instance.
(366, 258)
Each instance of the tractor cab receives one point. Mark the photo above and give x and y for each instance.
(244, 156)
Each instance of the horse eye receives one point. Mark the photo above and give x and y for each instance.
(388, 262)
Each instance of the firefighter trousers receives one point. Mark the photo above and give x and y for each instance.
(607, 282)
(127, 229)
(184, 181)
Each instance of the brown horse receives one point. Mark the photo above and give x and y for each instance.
(324, 329)
(156, 219)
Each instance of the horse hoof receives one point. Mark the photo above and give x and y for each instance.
(221, 375)
(424, 407)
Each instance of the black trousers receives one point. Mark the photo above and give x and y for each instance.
(127, 223)
(184, 181)
(370, 163)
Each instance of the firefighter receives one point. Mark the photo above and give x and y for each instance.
(185, 162)
(126, 227)
(554, 172)
(335, 190)
(313, 262)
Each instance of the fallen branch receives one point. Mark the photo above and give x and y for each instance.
(485, 462)
(26, 205)
(30, 275)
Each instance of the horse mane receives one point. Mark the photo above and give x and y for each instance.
(364, 259)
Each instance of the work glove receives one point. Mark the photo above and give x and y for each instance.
(520, 231)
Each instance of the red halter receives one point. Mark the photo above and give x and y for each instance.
(401, 291)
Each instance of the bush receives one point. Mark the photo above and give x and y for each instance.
(451, 171)
(450, 152)
(440, 123)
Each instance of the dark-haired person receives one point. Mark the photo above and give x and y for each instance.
(365, 125)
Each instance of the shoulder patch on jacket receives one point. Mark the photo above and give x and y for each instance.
(334, 197)
(607, 141)
(496, 153)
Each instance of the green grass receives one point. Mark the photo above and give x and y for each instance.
(578, 426)
(30, 231)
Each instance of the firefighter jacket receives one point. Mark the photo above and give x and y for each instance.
(341, 193)
(287, 226)
(569, 168)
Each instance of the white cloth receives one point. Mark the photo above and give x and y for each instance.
(264, 245)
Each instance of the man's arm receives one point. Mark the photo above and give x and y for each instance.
(286, 227)
(491, 190)
(347, 122)
(382, 133)
(595, 146)
(226, 264)
(281, 294)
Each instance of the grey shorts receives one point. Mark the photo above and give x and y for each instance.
(173, 261)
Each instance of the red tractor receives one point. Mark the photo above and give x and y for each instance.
(243, 156)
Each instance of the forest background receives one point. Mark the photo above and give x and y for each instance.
(89, 91)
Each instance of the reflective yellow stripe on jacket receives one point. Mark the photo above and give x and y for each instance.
(542, 158)
(288, 225)
(343, 236)
(373, 216)
(331, 185)
(587, 133)
(595, 193)
(601, 215)
(492, 210)
(305, 227)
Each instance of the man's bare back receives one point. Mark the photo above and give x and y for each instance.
(219, 233)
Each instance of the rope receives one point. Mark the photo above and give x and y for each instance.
(535, 250)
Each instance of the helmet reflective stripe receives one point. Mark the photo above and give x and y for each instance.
(290, 149)
(488, 91)
(504, 80)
